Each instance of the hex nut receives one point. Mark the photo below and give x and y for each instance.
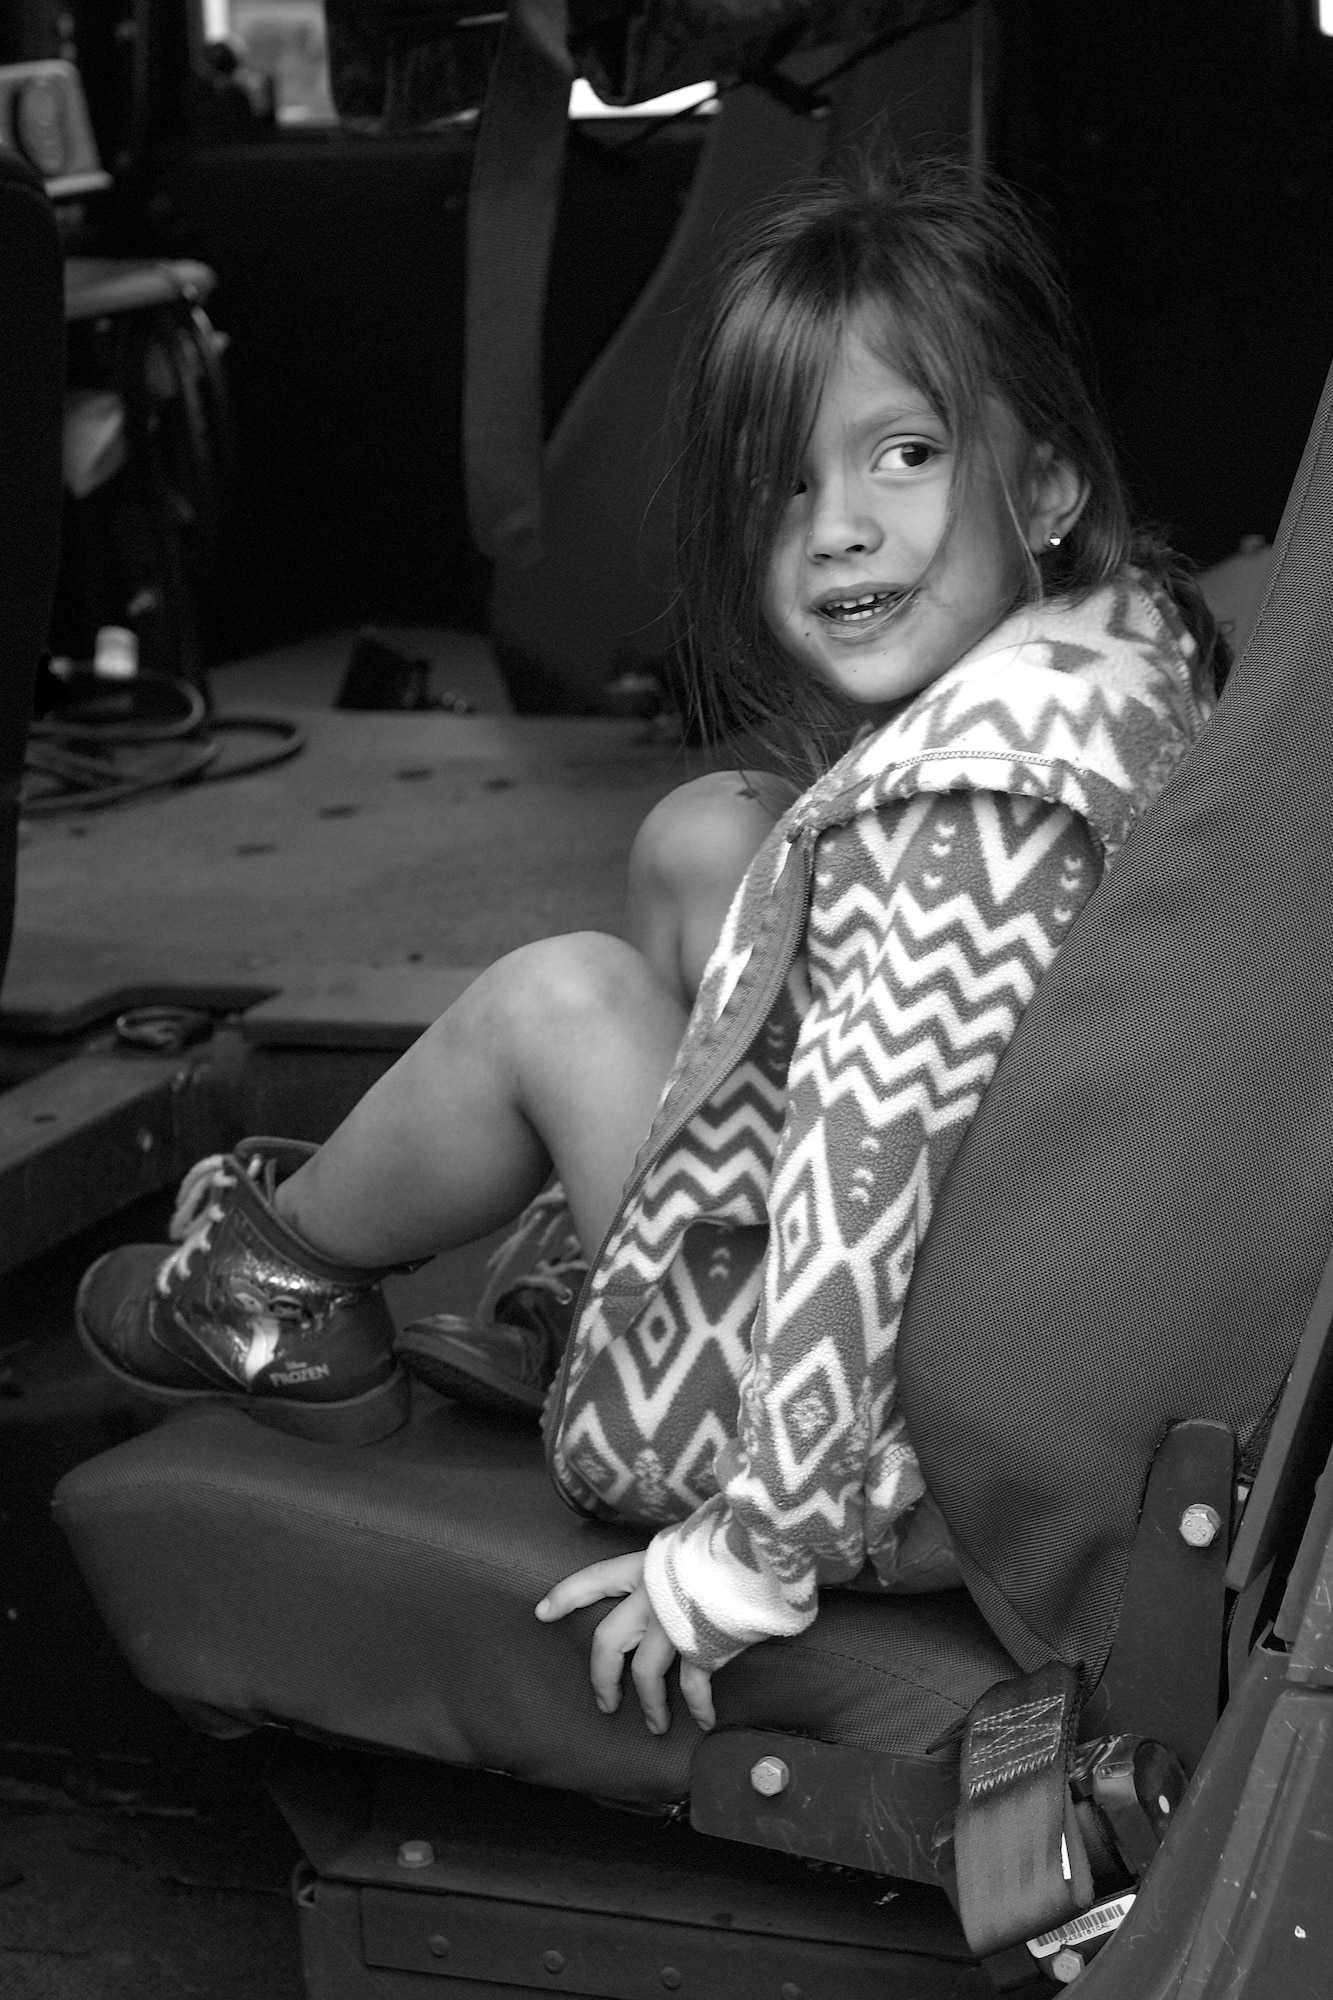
(416, 1854)
(1200, 1525)
(1067, 1965)
(769, 1777)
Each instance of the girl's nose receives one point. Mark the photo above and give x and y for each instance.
(840, 525)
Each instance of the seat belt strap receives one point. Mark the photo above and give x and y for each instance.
(1021, 1860)
(515, 192)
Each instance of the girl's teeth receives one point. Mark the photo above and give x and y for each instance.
(854, 609)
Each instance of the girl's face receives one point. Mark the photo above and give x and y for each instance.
(852, 593)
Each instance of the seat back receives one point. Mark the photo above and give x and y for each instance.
(31, 390)
(601, 597)
(1135, 1227)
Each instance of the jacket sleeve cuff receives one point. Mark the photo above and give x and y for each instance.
(713, 1602)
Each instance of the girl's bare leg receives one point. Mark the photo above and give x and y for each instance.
(555, 1056)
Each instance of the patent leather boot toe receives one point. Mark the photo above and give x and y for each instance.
(244, 1311)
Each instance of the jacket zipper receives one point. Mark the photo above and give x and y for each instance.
(794, 887)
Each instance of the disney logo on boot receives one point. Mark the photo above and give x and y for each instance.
(301, 1371)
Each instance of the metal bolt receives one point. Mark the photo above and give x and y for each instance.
(416, 1854)
(769, 1777)
(1067, 1965)
(553, 1961)
(670, 1978)
(1200, 1525)
(438, 1946)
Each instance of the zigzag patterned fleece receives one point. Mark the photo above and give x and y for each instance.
(732, 1369)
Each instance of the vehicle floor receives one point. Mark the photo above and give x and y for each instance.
(421, 837)
(113, 1892)
(136, 1860)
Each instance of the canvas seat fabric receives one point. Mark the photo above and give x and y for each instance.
(1136, 1223)
(385, 1595)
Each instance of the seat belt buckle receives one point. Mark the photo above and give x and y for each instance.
(1136, 1786)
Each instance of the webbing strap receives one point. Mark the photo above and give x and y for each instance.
(515, 190)
(1022, 1864)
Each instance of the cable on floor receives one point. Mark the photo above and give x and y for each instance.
(108, 742)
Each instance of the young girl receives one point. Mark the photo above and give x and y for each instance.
(899, 516)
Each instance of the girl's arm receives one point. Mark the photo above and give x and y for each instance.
(932, 926)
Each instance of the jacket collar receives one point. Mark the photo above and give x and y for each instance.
(1088, 703)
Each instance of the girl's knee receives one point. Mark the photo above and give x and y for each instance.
(706, 833)
(555, 985)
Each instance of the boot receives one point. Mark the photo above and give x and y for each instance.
(245, 1312)
(506, 1355)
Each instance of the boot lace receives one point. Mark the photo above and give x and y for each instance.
(197, 1214)
(542, 1251)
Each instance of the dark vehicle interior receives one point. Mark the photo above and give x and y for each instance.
(338, 658)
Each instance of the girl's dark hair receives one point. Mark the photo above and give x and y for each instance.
(972, 306)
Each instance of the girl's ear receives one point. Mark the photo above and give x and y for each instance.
(1056, 497)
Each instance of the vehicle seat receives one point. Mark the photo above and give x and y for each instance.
(32, 347)
(386, 1594)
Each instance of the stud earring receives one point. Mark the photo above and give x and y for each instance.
(1054, 541)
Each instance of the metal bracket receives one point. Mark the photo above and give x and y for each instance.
(1163, 1677)
(827, 1801)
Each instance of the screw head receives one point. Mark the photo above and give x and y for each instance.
(789, 1990)
(416, 1854)
(1200, 1525)
(769, 1777)
(1067, 1965)
(554, 1961)
(670, 1978)
(438, 1946)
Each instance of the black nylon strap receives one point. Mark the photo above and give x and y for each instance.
(1016, 1824)
(515, 190)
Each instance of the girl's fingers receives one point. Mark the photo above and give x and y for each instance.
(652, 1657)
(697, 1688)
(632, 1627)
(615, 1577)
(619, 1633)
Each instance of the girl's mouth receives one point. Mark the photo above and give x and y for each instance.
(859, 609)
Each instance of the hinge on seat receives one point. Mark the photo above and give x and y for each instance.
(1163, 1675)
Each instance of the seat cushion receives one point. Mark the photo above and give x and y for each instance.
(384, 1595)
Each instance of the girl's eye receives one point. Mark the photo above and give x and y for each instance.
(906, 455)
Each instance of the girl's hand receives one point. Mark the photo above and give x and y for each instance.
(633, 1627)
